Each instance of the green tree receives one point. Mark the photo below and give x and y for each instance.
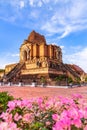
(86, 78)
(59, 78)
(78, 80)
(69, 80)
(43, 81)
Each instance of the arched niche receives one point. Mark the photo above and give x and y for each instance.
(24, 53)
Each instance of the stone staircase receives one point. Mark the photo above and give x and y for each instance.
(71, 71)
(13, 73)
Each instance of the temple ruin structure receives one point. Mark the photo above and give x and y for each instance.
(38, 61)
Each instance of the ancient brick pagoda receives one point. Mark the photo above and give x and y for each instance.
(38, 61)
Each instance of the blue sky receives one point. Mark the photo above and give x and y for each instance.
(62, 22)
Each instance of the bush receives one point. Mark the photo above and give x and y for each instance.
(45, 114)
(4, 98)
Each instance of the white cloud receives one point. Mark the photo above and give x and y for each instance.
(71, 17)
(15, 55)
(62, 47)
(66, 32)
(78, 10)
(5, 62)
(34, 14)
(31, 2)
(59, 16)
(34, 3)
(78, 58)
(22, 4)
(8, 58)
(11, 19)
(49, 27)
(46, 1)
(39, 3)
(55, 16)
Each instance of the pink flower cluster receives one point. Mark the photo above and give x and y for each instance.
(56, 113)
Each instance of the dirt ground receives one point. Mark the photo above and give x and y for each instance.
(29, 92)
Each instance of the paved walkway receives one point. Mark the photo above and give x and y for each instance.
(28, 92)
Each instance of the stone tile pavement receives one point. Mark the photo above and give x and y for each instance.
(26, 92)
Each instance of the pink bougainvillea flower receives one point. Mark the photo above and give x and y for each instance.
(17, 117)
(55, 117)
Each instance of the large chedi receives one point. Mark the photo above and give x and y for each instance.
(35, 49)
(38, 61)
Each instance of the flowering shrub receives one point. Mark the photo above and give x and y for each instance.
(45, 114)
(4, 98)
